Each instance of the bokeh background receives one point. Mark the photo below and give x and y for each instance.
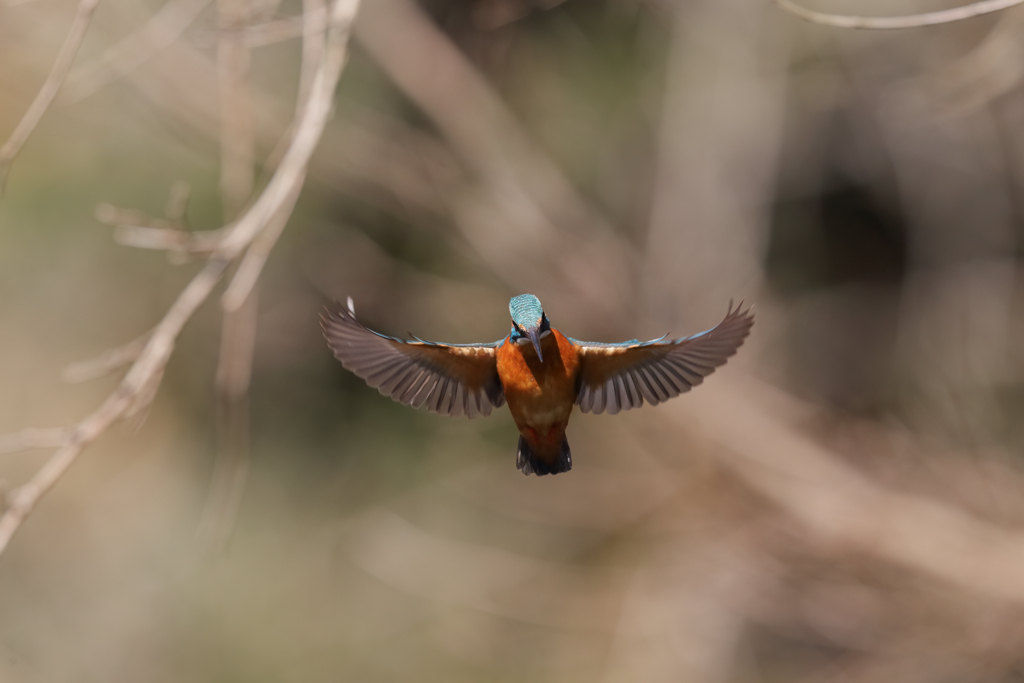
(842, 502)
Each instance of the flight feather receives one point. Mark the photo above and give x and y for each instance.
(615, 377)
(449, 379)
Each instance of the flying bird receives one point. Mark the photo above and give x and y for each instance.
(539, 371)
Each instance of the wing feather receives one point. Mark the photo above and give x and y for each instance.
(657, 388)
(615, 377)
(646, 393)
(471, 408)
(633, 398)
(459, 400)
(600, 400)
(614, 397)
(444, 397)
(586, 399)
(449, 379)
(639, 390)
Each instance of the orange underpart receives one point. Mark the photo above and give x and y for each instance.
(540, 395)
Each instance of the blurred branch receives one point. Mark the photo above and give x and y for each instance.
(159, 33)
(238, 328)
(992, 69)
(234, 375)
(105, 363)
(239, 303)
(432, 71)
(722, 108)
(289, 174)
(527, 208)
(170, 239)
(142, 380)
(256, 257)
(124, 400)
(31, 438)
(909, 21)
(310, 23)
(237, 144)
(842, 507)
(387, 162)
(177, 202)
(131, 219)
(314, 12)
(277, 31)
(136, 229)
(49, 90)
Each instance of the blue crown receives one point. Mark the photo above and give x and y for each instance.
(526, 310)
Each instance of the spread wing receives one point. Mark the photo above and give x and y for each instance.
(616, 377)
(449, 379)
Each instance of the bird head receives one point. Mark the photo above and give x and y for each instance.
(528, 320)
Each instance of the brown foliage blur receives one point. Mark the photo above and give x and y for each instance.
(843, 501)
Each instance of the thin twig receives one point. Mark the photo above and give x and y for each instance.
(23, 499)
(255, 258)
(159, 33)
(158, 234)
(314, 118)
(31, 438)
(130, 218)
(49, 90)
(234, 370)
(105, 363)
(136, 229)
(168, 239)
(314, 15)
(136, 387)
(945, 16)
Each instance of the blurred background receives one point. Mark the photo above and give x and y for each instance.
(841, 502)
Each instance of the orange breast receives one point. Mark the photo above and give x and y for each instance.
(540, 395)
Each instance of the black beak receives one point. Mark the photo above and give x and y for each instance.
(534, 334)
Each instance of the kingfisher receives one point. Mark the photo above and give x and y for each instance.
(541, 373)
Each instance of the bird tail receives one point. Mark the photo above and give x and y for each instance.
(530, 463)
